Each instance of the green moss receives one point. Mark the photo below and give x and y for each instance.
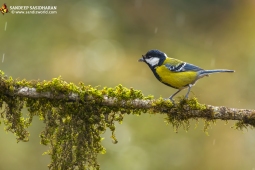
(73, 128)
(180, 114)
(247, 122)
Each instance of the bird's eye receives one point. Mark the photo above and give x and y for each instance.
(148, 56)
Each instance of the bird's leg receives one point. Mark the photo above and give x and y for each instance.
(187, 95)
(171, 97)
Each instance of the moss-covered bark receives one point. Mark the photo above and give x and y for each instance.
(76, 116)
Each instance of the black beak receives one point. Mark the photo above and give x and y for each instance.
(141, 59)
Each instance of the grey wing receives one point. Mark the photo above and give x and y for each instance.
(190, 67)
(183, 67)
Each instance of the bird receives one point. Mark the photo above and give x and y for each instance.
(175, 73)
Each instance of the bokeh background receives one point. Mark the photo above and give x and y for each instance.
(99, 43)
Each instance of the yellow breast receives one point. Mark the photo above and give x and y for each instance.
(176, 79)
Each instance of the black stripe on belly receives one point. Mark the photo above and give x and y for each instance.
(158, 77)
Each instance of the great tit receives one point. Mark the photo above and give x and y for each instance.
(175, 73)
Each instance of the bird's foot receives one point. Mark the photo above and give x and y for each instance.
(171, 99)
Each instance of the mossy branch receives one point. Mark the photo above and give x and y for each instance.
(76, 116)
(196, 111)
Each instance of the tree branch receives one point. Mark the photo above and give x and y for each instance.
(217, 112)
(76, 116)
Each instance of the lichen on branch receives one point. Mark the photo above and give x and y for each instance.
(76, 116)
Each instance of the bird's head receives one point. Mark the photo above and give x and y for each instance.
(153, 58)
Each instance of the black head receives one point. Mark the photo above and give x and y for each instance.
(153, 58)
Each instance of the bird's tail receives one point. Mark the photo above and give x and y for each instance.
(207, 72)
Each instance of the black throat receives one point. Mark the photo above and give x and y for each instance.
(153, 69)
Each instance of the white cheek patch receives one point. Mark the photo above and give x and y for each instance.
(152, 61)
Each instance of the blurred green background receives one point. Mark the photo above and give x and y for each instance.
(99, 43)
